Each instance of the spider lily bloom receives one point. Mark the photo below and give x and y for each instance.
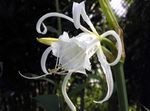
(73, 54)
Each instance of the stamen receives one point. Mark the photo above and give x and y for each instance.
(57, 59)
(56, 71)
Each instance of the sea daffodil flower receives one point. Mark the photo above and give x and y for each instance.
(73, 54)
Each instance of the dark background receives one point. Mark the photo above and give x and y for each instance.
(19, 51)
(137, 41)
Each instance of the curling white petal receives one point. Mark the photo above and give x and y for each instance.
(76, 11)
(44, 30)
(119, 45)
(79, 10)
(44, 58)
(35, 77)
(108, 74)
(54, 14)
(64, 92)
(109, 81)
(87, 19)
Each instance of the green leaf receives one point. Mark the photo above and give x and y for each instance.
(48, 102)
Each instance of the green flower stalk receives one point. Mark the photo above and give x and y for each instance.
(118, 69)
(112, 20)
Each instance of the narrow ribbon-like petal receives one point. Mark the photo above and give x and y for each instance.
(108, 74)
(76, 12)
(54, 14)
(34, 77)
(44, 58)
(119, 46)
(64, 92)
(79, 10)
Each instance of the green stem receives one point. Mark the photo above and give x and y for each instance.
(118, 71)
(106, 8)
(108, 54)
(110, 45)
(58, 19)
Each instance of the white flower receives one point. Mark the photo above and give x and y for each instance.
(73, 54)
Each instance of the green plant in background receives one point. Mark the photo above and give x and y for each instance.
(74, 54)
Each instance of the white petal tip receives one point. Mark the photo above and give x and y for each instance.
(45, 29)
(99, 102)
(39, 29)
(32, 77)
(24, 75)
